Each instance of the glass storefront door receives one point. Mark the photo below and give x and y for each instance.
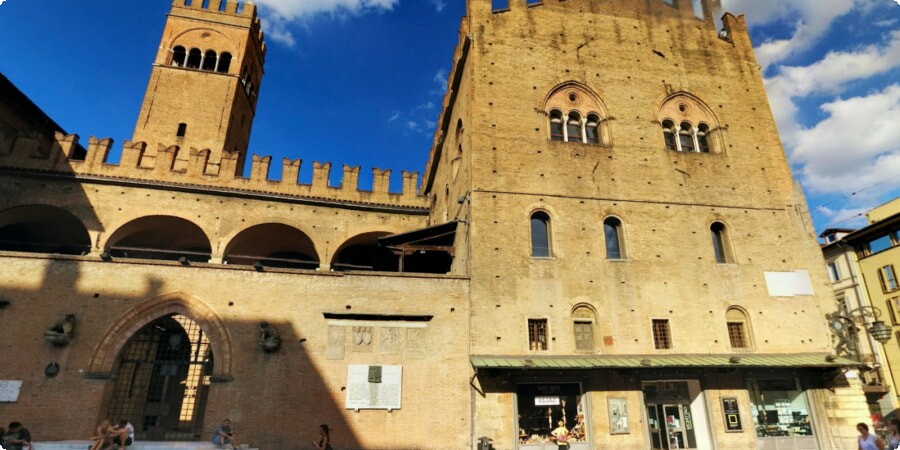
(542, 406)
(676, 415)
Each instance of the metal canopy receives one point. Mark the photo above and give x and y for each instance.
(659, 361)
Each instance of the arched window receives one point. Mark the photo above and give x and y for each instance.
(576, 115)
(224, 62)
(573, 127)
(592, 129)
(178, 56)
(703, 138)
(686, 137)
(209, 61)
(669, 134)
(689, 125)
(720, 242)
(583, 320)
(738, 329)
(195, 57)
(540, 235)
(612, 231)
(556, 126)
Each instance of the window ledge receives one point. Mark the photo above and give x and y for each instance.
(618, 260)
(543, 258)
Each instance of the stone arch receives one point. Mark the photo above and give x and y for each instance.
(361, 252)
(119, 333)
(39, 228)
(163, 237)
(274, 244)
(218, 43)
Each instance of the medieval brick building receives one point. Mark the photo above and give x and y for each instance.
(607, 234)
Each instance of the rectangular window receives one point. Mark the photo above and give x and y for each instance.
(662, 338)
(779, 408)
(584, 335)
(537, 334)
(888, 278)
(833, 271)
(182, 130)
(880, 244)
(737, 334)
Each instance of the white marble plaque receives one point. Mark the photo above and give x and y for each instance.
(9, 390)
(361, 394)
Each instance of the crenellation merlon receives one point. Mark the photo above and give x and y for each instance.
(678, 8)
(171, 163)
(229, 7)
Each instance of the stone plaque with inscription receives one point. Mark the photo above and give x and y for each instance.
(390, 341)
(363, 392)
(9, 390)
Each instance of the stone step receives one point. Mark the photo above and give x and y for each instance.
(84, 445)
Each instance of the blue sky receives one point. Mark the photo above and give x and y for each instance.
(360, 82)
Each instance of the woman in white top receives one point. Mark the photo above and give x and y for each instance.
(868, 441)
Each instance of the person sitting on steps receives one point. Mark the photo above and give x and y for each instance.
(123, 435)
(103, 438)
(224, 435)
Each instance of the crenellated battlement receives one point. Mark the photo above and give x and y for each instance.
(682, 8)
(172, 164)
(230, 7)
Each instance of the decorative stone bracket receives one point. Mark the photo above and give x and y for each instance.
(268, 338)
(61, 333)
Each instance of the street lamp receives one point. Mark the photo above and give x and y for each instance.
(844, 325)
(880, 332)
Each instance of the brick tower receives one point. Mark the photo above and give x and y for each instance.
(205, 79)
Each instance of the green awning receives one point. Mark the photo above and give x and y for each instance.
(659, 361)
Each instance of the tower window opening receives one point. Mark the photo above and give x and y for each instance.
(686, 137)
(179, 54)
(209, 61)
(612, 231)
(540, 235)
(573, 127)
(556, 126)
(195, 57)
(592, 129)
(720, 243)
(703, 138)
(669, 135)
(662, 336)
(224, 61)
(182, 130)
(537, 334)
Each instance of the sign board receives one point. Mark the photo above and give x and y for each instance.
(546, 401)
(789, 284)
(374, 387)
(9, 390)
(732, 415)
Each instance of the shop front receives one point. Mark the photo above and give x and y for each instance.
(545, 407)
(661, 408)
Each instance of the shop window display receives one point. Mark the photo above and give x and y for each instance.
(542, 406)
(779, 408)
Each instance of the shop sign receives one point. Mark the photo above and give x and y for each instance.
(618, 415)
(732, 415)
(9, 389)
(546, 401)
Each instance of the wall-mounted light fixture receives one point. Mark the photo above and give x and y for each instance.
(51, 370)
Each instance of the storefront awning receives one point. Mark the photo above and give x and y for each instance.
(658, 361)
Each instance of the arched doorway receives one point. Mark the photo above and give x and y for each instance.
(162, 380)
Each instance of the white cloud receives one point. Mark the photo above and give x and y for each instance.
(810, 18)
(856, 146)
(827, 76)
(439, 5)
(279, 14)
